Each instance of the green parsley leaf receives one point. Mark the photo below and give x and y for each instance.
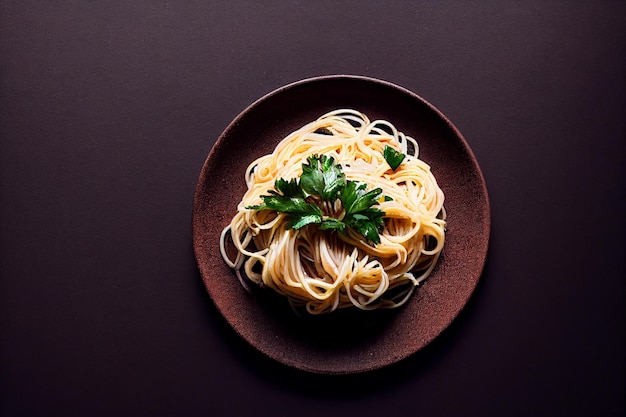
(323, 180)
(355, 199)
(393, 157)
(360, 215)
(332, 223)
(322, 177)
(295, 205)
(297, 222)
(368, 222)
(289, 188)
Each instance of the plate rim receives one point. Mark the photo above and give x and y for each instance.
(224, 136)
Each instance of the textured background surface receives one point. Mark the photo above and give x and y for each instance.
(107, 113)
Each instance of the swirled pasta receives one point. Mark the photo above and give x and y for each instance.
(324, 270)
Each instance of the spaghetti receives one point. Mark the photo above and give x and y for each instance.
(325, 270)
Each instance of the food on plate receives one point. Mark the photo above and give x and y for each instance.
(342, 213)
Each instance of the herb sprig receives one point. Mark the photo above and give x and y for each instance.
(307, 200)
(393, 157)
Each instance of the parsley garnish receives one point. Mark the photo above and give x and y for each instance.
(322, 177)
(323, 181)
(393, 157)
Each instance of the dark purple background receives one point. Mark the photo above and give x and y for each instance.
(109, 109)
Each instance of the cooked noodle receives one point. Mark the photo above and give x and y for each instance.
(325, 270)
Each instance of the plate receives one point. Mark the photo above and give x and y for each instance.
(344, 342)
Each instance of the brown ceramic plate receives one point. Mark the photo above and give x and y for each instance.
(357, 341)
